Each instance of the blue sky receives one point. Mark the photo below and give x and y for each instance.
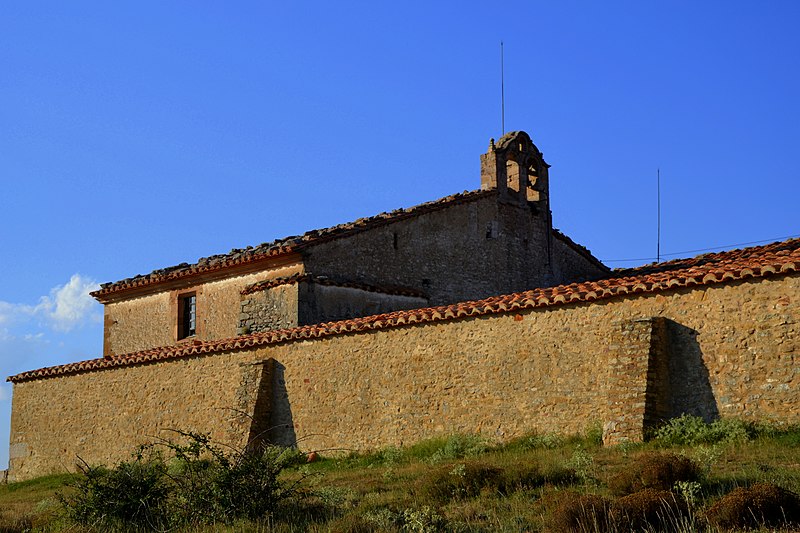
(138, 136)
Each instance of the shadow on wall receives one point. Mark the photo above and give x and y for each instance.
(280, 430)
(689, 383)
(260, 421)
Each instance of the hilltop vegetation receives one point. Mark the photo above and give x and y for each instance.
(691, 476)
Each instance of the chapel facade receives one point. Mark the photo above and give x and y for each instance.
(495, 240)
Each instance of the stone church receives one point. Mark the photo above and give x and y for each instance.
(467, 314)
(497, 240)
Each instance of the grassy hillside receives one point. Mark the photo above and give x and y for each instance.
(535, 483)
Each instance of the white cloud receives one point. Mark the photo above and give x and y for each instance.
(66, 307)
(70, 305)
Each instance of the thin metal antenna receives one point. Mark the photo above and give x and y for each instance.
(658, 238)
(502, 92)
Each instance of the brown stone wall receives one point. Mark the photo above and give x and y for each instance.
(274, 308)
(733, 351)
(327, 303)
(102, 416)
(149, 321)
(570, 265)
(138, 324)
(473, 250)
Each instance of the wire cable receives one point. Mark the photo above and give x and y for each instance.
(724, 246)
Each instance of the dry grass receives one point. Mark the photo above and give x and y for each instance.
(465, 485)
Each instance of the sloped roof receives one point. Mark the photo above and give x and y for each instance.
(775, 259)
(287, 245)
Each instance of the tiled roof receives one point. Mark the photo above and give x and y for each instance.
(324, 280)
(708, 269)
(251, 254)
(581, 249)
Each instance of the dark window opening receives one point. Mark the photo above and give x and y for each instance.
(187, 326)
(492, 230)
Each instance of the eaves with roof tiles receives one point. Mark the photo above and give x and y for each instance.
(775, 259)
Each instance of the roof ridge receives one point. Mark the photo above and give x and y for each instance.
(286, 245)
(782, 258)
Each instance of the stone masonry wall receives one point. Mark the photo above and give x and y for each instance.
(326, 303)
(102, 416)
(469, 251)
(305, 302)
(734, 350)
(149, 321)
(274, 308)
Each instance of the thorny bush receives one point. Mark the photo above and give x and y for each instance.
(199, 483)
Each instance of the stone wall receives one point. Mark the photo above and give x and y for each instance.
(327, 302)
(151, 320)
(102, 416)
(307, 302)
(273, 308)
(468, 251)
(731, 350)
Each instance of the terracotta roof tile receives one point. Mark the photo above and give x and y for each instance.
(708, 269)
(283, 246)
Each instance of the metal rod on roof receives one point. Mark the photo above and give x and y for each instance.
(658, 194)
(502, 93)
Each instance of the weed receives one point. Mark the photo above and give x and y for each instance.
(594, 433)
(692, 430)
(707, 457)
(688, 490)
(384, 519)
(458, 447)
(340, 497)
(422, 520)
(544, 441)
(463, 480)
(582, 463)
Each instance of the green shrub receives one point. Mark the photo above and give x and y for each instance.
(544, 441)
(654, 471)
(201, 484)
(133, 494)
(582, 463)
(688, 430)
(594, 434)
(422, 520)
(215, 485)
(460, 446)
(761, 505)
(463, 480)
